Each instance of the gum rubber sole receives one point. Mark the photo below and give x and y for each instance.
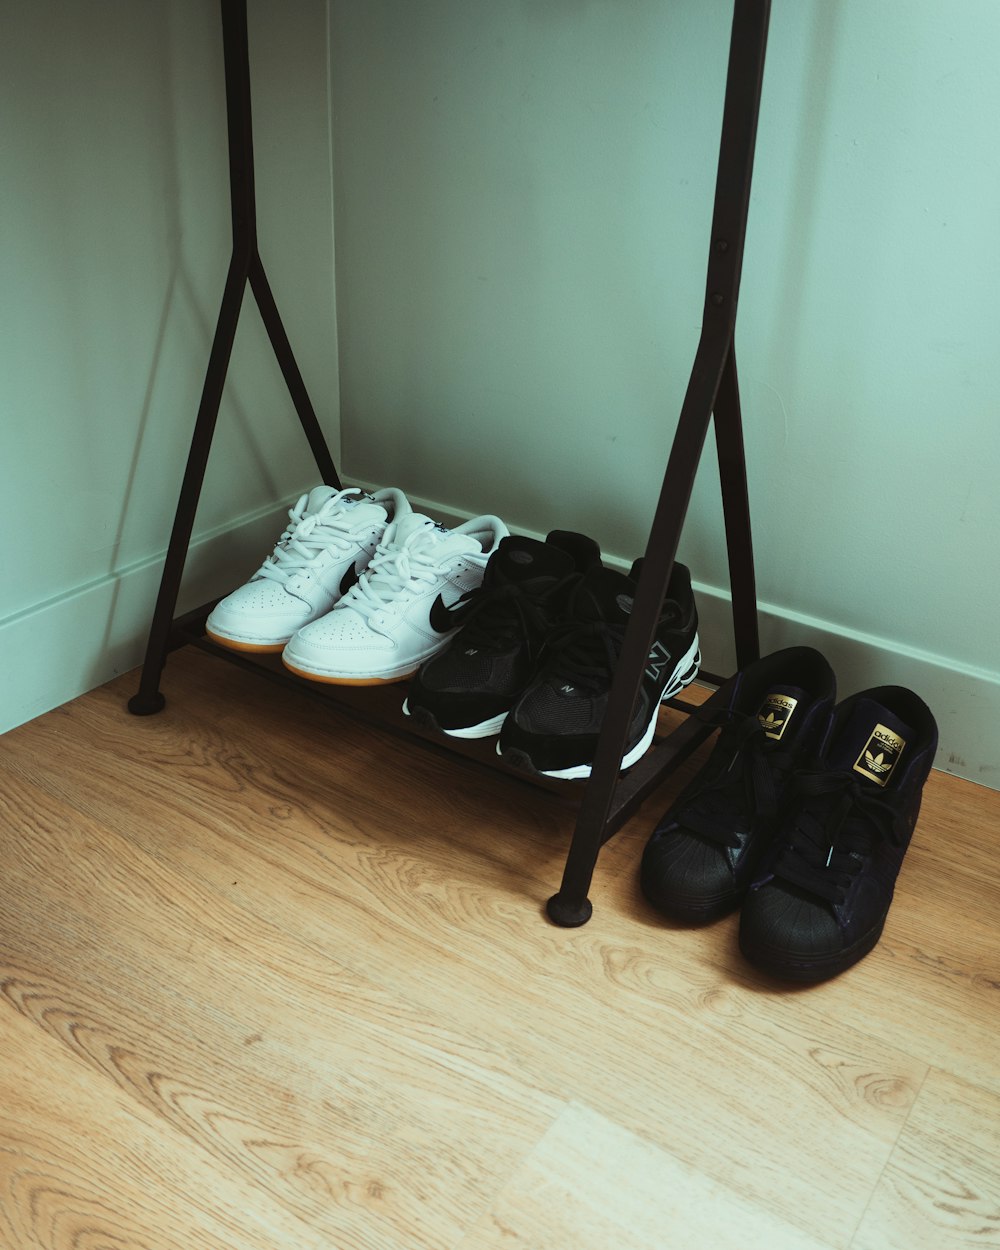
(327, 679)
(252, 648)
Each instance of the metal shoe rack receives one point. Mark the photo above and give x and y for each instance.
(609, 797)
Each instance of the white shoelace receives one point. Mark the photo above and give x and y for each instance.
(309, 535)
(400, 571)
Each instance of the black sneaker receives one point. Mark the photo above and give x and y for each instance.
(827, 884)
(703, 854)
(467, 690)
(554, 726)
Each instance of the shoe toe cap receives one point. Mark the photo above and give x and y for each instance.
(686, 876)
(259, 610)
(341, 647)
(342, 632)
(779, 921)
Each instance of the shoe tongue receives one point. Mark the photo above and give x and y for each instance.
(431, 533)
(871, 742)
(321, 495)
(318, 496)
(781, 712)
(521, 559)
(604, 595)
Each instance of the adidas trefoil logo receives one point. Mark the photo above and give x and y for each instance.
(880, 755)
(774, 714)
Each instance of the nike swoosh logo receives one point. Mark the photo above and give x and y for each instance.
(349, 579)
(443, 619)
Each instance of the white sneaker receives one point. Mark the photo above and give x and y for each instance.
(331, 537)
(404, 607)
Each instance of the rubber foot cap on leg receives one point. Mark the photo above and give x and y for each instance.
(146, 704)
(568, 914)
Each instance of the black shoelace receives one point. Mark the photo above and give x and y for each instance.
(833, 832)
(753, 781)
(583, 655)
(506, 613)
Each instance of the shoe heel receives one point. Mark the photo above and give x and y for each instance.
(689, 667)
(692, 672)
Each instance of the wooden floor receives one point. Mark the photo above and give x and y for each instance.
(272, 981)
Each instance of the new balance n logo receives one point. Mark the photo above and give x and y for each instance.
(658, 661)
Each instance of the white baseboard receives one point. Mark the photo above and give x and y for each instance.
(75, 641)
(965, 701)
(83, 638)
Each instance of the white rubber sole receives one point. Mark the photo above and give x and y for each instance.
(683, 675)
(485, 729)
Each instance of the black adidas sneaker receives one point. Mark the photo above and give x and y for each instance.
(467, 690)
(702, 856)
(825, 887)
(554, 726)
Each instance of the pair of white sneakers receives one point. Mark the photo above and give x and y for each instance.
(359, 590)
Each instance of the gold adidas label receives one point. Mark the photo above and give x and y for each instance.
(880, 755)
(775, 713)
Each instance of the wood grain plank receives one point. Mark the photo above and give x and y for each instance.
(941, 1187)
(932, 985)
(342, 1103)
(82, 1165)
(425, 880)
(591, 1184)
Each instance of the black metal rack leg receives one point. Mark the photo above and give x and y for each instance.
(570, 907)
(244, 266)
(290, 371)
(736, 511)
(148, 698)
(714, 368)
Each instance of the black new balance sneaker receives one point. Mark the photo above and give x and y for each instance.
(467, 690)
(703, 854)
(826, 885)
(554, 726)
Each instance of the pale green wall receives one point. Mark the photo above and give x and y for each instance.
(114, 245)
(523, 196)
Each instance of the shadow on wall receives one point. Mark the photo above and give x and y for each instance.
(763, 405)
(181, 300)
